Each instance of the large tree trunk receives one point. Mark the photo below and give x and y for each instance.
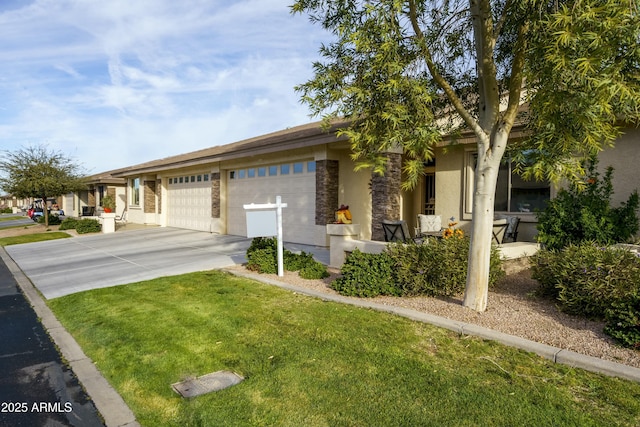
(486, 177)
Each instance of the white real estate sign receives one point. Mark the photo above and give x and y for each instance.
(261, 221)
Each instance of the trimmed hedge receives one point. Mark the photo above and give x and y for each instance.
(596, 282)
(437, 268)
(262, 256)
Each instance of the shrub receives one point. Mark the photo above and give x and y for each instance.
(68, 224)
(262, 256)
(587, 279)
(623, 321)
(366, 275)
(585, 214)
(437, 268)
(53, 219)
(313, 270)
(88, 225)
(263, 261)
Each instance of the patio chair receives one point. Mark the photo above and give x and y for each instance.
(429, 225)
(499, 229)
(396, 231)
(122, 218)
(512, 227)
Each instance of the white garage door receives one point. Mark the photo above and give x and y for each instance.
(295, 182)
(189, 202)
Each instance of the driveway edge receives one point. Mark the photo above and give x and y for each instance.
(108, 402)
(557, 355)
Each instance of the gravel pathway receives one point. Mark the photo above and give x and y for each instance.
(512, 309)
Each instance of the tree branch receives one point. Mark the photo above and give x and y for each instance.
(441, 81)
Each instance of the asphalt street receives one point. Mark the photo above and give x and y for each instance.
(36, 388)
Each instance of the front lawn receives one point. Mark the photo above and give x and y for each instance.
(312, 363)
(30, 238)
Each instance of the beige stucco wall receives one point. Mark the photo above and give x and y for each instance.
(624, 158)
(354, 191)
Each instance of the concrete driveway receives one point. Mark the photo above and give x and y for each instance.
(66, 266)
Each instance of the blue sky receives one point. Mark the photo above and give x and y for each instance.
(120, 82)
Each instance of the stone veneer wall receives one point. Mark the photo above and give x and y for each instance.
(385, 195)
(326, 191)
(149, 197)
(215, 195)
(159, 186)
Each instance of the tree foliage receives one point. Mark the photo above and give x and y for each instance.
(36, 171)
(405, 73)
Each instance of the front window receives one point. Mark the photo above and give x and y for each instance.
(513, 194)
(135, 191)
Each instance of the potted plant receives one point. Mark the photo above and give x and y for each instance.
(109, 204)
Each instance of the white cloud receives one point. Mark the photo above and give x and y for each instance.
(149, 78)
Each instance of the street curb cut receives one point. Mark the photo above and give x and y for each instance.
(109, 403)
(557, 355)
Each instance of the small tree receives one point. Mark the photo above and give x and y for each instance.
(36, 171)
(398, 69)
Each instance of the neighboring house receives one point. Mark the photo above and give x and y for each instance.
(89, 201)
(16, 204)
(313, 172)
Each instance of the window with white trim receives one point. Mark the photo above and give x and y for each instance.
(135, 192)
(513, 194)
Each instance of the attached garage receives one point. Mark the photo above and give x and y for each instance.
(295, 182)
(189, 202)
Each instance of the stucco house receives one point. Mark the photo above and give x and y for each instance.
(313, 172)
(89, 201)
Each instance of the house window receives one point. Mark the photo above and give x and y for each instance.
(251, 173)
(241, 173)
(135, 191)
(262, 171)
(273, 170)
(284, 169)
(311, 166)
(513, 194)
(206, 176)
(298, 167)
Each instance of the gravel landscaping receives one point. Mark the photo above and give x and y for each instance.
(513, 309)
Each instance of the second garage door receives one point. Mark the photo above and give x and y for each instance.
(189, 202)
(295, 182)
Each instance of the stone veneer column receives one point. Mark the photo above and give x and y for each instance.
(149, 197)
(215, 195)
(159, 188)
(326, 191)
(385, 195)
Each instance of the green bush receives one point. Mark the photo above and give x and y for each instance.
(6, 210)
(262, 256)
(263, 261)
(585, 214)
(587, 279)
(53, 219)
(437, 268)
(68, 224)
(623, 321)
(313, 270)
(88, 225)
(366, 275)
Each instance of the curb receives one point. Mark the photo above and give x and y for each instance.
(557, 355)
(108, 402)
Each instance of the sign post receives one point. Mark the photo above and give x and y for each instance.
(262, 223)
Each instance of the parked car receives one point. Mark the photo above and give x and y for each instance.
(36, 209)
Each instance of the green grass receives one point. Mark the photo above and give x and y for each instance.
(314, 363)
(11, 218)
(30, 238)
